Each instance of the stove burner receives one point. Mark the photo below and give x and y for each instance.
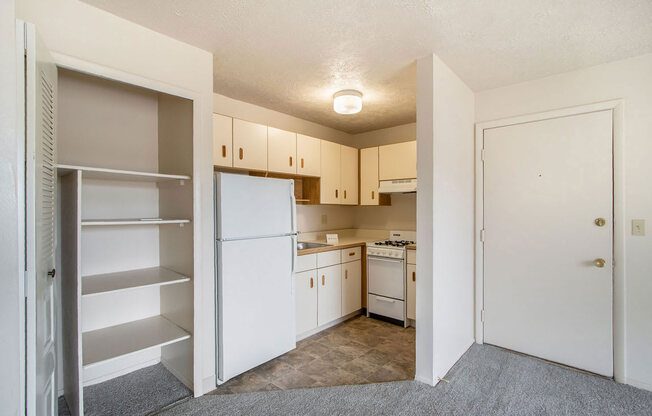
(394, 243)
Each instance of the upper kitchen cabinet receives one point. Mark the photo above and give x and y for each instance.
(348, 175)
(281, 151)
(222, 140)
(369, 179)
(308, 155)
(249, 145)
(397, 161)
(329, 188)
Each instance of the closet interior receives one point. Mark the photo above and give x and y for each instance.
(126, 252)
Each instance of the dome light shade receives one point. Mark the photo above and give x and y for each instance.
(347, 102)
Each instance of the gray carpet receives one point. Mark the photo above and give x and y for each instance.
(486, 381)
(141, 392)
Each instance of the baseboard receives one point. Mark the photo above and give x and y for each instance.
(175, 373)
(208, 384)
(121, 372)
(427, 381)
(638, 384)
(328, 325)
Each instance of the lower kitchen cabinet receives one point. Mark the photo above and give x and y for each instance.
(411, 291)
(305, 298)
(329, 294)
(351, 287)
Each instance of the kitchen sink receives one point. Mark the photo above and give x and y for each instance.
(305, 245)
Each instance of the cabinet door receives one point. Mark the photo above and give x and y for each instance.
(329, 187)
(305, 299)
(329, 294)
(351, 287)
(222, 140)
(411, 291)
(281, 151)
(349, 175)
(397, 161)
(249, 145)
(369, 176)
(308, 155)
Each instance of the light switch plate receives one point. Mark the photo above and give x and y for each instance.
(638, 227)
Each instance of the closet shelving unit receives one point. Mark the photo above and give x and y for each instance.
(113, 342)
(127, 237)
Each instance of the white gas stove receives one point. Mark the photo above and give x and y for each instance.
(386, 288)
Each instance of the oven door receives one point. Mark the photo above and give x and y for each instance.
(386, 277)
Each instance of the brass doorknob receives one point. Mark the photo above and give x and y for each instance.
(599, 263)
(600, 222)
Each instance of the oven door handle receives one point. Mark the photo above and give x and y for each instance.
(385, 259)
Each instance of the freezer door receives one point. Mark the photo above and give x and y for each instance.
(255, 311)
(251, 207)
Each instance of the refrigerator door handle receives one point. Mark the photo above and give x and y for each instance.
(293, 200)
(294, 262)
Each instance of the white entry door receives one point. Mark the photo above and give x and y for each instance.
(40, 77)
(548, 219)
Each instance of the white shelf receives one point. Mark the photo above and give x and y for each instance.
(118, 341)
(132, 279)
(132, 221)
(120, 175)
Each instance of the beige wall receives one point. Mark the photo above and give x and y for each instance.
(401, 215)
(106, 124)
(630, 80)
(397, 134)
(257, 114)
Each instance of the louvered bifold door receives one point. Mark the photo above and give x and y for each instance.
(41, 179)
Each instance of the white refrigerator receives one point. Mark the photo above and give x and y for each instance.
(255, 256)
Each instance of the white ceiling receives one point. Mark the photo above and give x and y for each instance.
(292, 55)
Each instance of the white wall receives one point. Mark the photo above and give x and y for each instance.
(445, 213)
(630, 80)
(10, 223)
(77, 30)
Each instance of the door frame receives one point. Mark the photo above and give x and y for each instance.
(618, 306)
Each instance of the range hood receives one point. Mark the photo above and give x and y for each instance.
(397, 186)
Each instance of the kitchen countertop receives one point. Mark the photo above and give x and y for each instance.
(411, 247)
(344, 242)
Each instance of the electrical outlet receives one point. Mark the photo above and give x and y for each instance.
(324, 219)
(638, 227)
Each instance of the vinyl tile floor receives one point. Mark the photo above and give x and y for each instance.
(359, 351)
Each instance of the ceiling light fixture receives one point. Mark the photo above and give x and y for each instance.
(347, 102)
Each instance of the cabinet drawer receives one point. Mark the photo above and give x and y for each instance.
(306, 262)
(411, 256)
(392, 308)
(328, 258)
(351, 254)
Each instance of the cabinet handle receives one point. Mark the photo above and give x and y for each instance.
(372, 194)
(241, 153)
(223, 151)
(336, 193)
(345, 194)
(290, 160)
(323, 280)
(311, 283)
(414, 276)
(352, 253)
(302, 162)
(346, 273)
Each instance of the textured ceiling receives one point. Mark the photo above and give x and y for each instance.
(292, 55)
